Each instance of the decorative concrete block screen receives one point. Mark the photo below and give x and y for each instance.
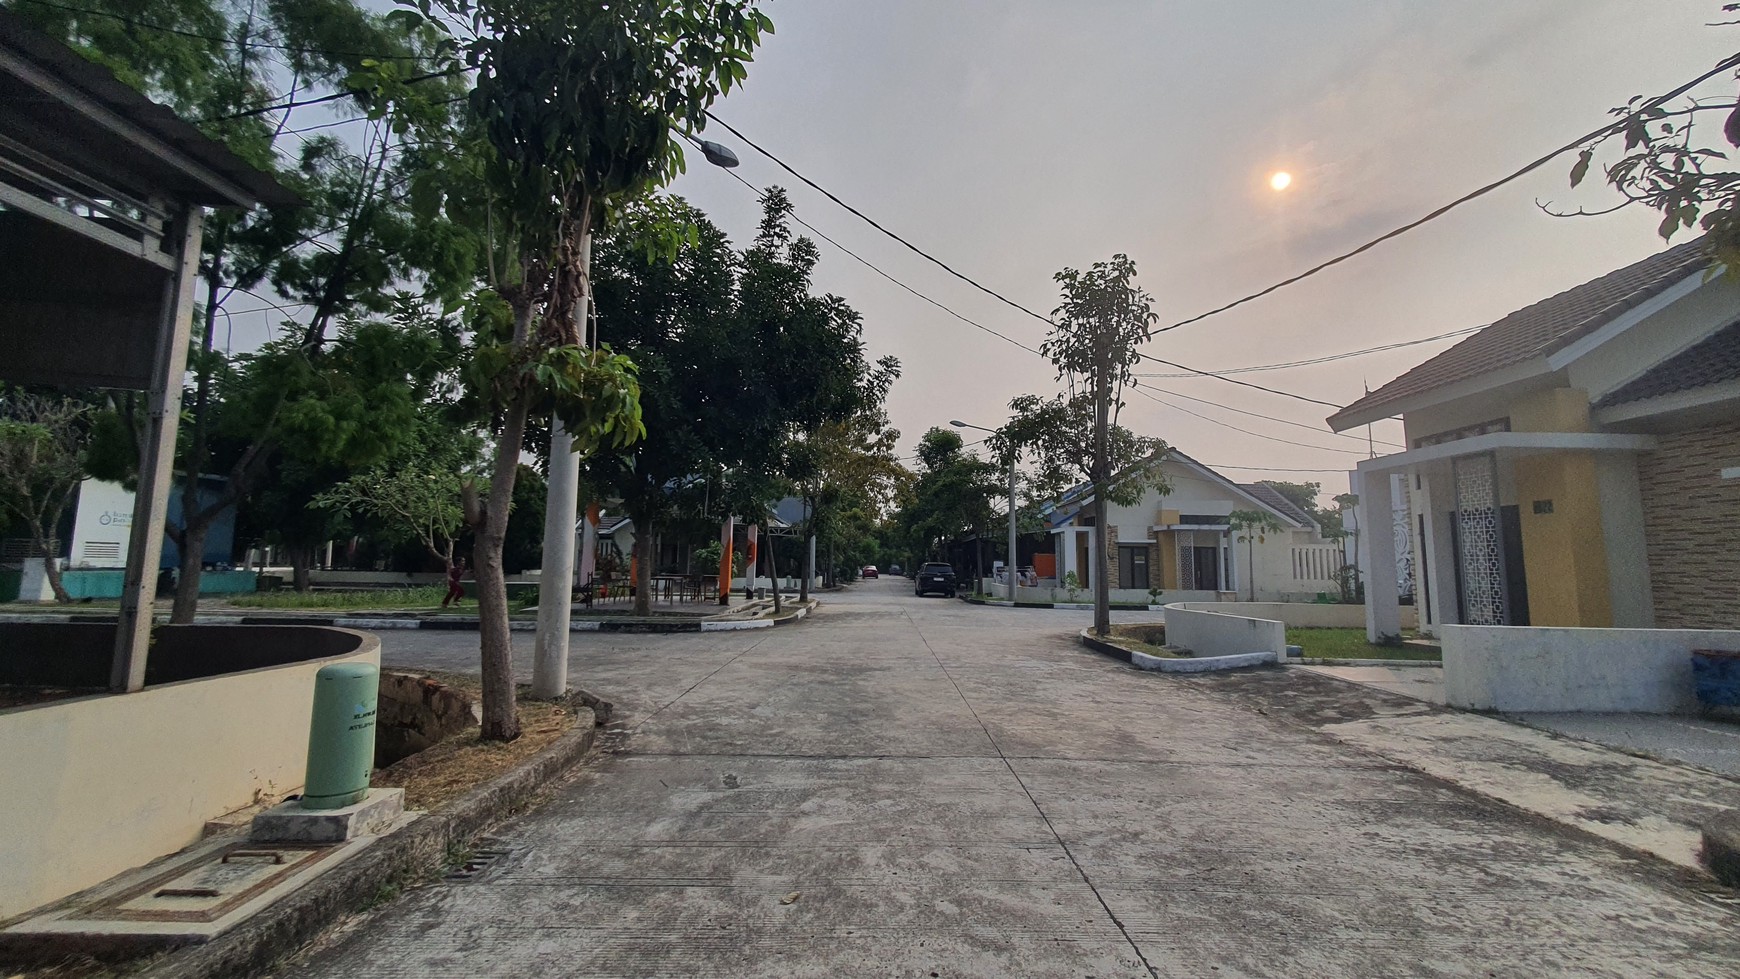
(1523, 668)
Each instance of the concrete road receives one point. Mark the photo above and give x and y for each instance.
(918, 787)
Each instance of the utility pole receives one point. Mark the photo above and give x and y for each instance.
(561, 507)
(1101, 477)
(1012, 562)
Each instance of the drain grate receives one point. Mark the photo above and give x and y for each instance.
(488, 852)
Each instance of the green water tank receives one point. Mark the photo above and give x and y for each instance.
(341, 735)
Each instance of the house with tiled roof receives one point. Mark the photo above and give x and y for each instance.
(1576, 463)
(1181, 541)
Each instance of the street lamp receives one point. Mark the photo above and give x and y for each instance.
(1010, 583)
(562, 505)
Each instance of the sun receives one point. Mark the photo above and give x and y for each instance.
(1280, 180)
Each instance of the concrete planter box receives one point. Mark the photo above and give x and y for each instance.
(98, 784)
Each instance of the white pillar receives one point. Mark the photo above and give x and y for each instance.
(1377, 544)
(810, 568)
(157, 461)
(561, 504)
(588, 548)
(1066, 563)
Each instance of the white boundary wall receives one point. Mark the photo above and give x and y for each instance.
(98, 785)
(1527, 668)
(1211, 633)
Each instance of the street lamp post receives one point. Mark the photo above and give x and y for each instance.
(562, 505)
(1010, 568)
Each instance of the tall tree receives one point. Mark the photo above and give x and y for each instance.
(576, 104)
(240, 71)
(1103, 320)
(951, 496)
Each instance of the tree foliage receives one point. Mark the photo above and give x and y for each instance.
(42, 462)
(1674, 159)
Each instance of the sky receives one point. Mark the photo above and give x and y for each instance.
(1014, 138)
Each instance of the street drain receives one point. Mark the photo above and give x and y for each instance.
(488, 852)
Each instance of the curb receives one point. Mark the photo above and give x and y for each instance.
(1160, 664)
(452, 623)
(1070, 606)
(405, 856)
(1331, 661)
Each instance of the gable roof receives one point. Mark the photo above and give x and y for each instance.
(1539, 329)
(1274, 499)
(1076, 499)
(1712, 360)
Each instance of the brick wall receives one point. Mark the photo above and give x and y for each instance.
(1692, 526)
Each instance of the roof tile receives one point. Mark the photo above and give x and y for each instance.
(1541, 328)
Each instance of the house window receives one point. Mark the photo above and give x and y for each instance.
(1133, 566)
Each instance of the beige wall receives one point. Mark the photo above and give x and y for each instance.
(99, 785)
(1692, 525)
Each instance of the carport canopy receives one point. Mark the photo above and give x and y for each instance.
(102, 197)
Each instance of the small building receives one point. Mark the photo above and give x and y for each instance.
(1575, 464)
(1181, 542)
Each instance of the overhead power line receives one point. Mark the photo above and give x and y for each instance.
(1327, 357)
(335, 96)
(982, 288)
(1609, 129)
(1283, 421)
(1726, 64)
(1270, 438)
(867, 264)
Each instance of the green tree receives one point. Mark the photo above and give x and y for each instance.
(240, 71)
(950, 498)
(576, 104)
(42, 450)
(1252, 528)
(1671, 164)
(1101, 323)
(418, 494)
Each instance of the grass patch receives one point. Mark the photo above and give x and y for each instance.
(439, 774)
(1352, 644)
(1143, 637)
(425, 598)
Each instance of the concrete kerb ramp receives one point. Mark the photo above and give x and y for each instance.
(1212, 634)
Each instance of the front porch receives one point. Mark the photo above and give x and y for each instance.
(1508, 528)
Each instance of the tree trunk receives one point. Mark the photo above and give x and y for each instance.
(301, 558)
(642, 578)
(51, 568)
(773, 571)
(805, 562)
(500, 718)
(192, 547)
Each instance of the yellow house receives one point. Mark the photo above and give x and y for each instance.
(1576, 463)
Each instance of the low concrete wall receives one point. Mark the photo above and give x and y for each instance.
(1526, 668)
(98, 785)
(1213, 633)
(1300, 615)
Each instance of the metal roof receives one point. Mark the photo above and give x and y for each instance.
(55, 101)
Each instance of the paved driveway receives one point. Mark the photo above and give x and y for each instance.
(918, 787)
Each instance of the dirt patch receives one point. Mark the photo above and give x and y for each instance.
(462, 762)
(1143, 637)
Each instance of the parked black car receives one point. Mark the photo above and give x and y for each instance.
(935, 577)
